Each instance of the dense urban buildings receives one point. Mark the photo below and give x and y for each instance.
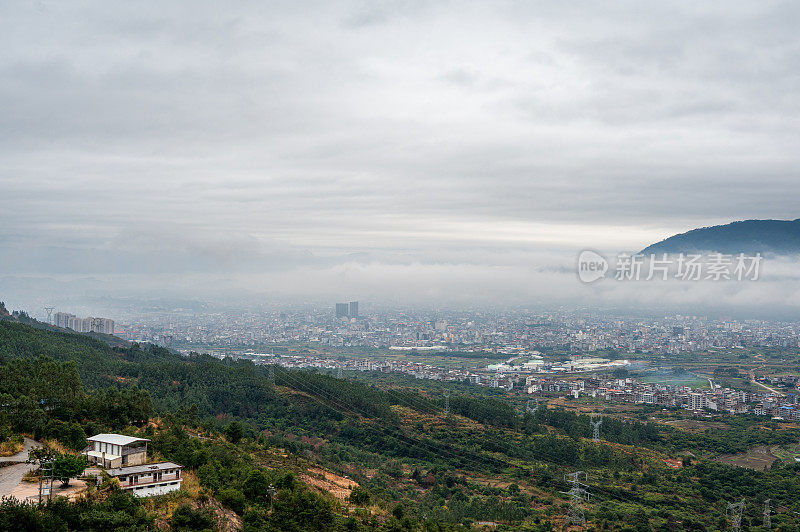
(70, 321)
(472, 331)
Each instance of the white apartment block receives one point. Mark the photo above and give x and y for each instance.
(90, 324)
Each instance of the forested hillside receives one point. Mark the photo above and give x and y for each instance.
(240, 427)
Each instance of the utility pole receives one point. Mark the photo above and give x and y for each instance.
(446, 402)
(596, 419)
(49, 311)
(734, 512)
(46, 469)
(577, 495)
(767, 515)
(532, 406)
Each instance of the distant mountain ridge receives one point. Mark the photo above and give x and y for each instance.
(777, 237)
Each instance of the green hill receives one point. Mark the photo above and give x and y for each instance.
(779, 237)
(237, 431)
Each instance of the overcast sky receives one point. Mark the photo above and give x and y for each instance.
(403, 139)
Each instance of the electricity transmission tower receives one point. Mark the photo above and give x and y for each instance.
(49, 311)
(767, 515)
(596, 420)
(734, 513)
(272, 373)
(339, 373)
(532, 406)
(446, 402)
(577, 495)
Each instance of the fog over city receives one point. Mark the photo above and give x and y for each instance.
(394, 152)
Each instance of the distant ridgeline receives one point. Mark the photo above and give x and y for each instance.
(773, 237)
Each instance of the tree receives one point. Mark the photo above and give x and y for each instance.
(398, 511)
(234, 432)
(301, 510)
(233, 499)
(360, 496)
(186, 518)
(67, 466)
(620, 373)
(256, 486)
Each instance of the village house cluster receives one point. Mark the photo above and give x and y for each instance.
(715, 398)
(508, 374)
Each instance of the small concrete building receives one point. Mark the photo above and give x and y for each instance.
(148, 479)
(116, 450)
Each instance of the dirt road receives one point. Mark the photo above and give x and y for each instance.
(754, 381)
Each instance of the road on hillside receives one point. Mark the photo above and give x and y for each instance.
(11, 475)
(23, 454)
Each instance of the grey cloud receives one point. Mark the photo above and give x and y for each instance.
(301, 137)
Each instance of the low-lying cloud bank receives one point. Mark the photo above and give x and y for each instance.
(537, 280)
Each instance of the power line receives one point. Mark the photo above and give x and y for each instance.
(439, 448)
(609, 493)
(427, 445)
(433, 407)
(322, 396)
(444, 449)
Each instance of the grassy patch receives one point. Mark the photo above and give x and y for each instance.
(10, 447)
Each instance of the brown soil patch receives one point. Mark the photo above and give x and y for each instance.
(757, 458)
(695, 425)
(30, 490)
(337, 486)
(411, 417)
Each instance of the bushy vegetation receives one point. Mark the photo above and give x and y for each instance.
(119, 511)
(249, 439)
